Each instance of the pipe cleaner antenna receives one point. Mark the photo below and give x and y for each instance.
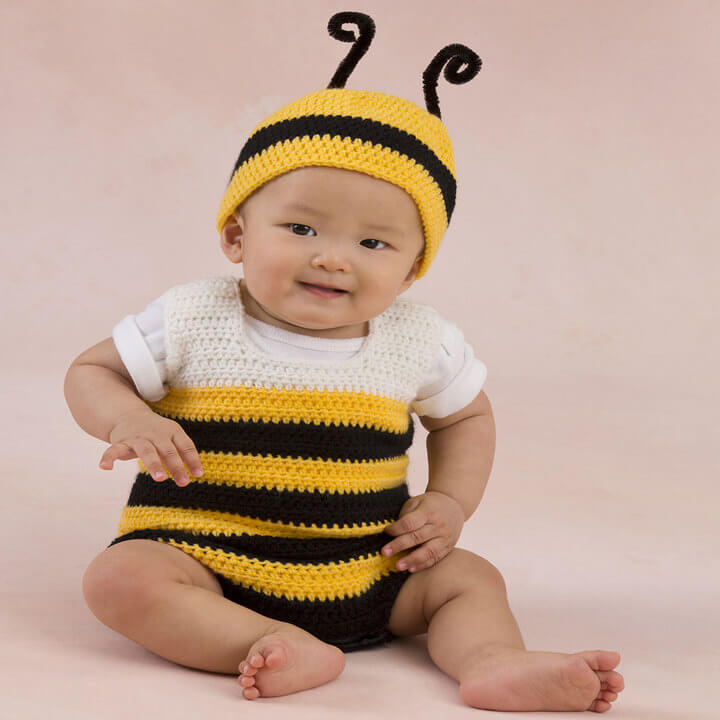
(366, 32)
(452, 57)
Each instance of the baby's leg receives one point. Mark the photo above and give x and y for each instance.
(171, 604)
(474, 638)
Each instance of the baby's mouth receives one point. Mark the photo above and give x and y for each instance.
(319, 290)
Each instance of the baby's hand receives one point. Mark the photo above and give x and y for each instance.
(146, 435)
(433, 519)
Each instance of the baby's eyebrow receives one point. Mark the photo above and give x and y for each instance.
(315, 211)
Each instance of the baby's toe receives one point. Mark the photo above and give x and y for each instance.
(276, 658)
(251, 693)
(246, 680)
(257, 660)
(611, 680)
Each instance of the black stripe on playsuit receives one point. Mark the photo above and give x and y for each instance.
(296, 439)
(343, 622)
(270, 504)
(355, 127)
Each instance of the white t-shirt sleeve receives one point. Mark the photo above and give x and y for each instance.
(140, 342)
(455, 378)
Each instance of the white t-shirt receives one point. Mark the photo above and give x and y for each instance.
(453, 381)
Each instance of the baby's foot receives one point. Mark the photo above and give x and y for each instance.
(286, 661)
(514, 679)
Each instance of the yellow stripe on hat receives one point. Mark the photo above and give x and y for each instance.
(381, 135)
(372, 159)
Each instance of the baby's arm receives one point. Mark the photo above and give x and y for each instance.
(99, 390)
(102, 398)
(461, 448)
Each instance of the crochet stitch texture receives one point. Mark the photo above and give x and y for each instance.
(381, 135)
(304, 463)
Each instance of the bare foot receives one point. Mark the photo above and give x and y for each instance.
(514, 679)
(286, 661)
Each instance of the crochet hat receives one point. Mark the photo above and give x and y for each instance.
(381, 135)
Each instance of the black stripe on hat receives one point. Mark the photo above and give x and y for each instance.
(355, 127)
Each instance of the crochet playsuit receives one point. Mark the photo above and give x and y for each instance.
(304, 463)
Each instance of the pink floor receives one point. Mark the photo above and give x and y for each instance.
(581, 263)
(602, 523)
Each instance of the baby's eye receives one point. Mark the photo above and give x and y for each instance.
(375, 241)
(294, 225)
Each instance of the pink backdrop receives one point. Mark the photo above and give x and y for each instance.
(581, 262)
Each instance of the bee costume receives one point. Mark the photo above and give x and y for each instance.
(305, 463)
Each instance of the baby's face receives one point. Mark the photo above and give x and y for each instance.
(355, 232)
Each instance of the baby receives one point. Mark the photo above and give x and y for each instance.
(279, 405)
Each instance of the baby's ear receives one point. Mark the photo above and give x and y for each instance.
(413, 270)
(231, 239)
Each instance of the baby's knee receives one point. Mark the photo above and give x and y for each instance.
(115, 585)
(475, 569)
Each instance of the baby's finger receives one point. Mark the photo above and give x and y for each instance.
(412, 520)
(116, 451)
(173, 462)
(424, 557)
(190, 455)
(408, 540)
(148, 453)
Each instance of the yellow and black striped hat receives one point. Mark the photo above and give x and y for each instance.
(382, 135)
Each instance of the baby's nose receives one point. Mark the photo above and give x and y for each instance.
(332, 259)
